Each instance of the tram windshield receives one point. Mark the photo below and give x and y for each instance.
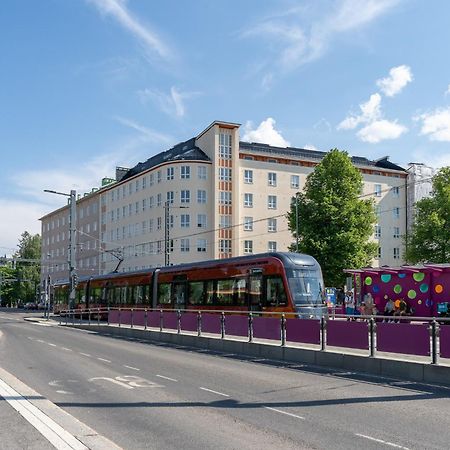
(306, 286)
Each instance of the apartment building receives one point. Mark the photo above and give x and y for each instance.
(209, 197)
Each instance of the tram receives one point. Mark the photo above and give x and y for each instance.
(267, 282)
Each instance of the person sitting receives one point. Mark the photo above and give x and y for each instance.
(368, 306)
(389, 308)
(349, 305)
(401, 308)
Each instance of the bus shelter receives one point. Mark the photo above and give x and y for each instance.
(425, 288)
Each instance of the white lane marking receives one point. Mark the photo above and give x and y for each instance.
(53, 432)
(214, 392)
(51, 345)
(103, 359)
(112, 380)
(41, 341)
(167, 378)
(391, 444)
(131, 367)
(284, 412)
(32, 338)
(85, 354)
(63, 392)
(66, 349)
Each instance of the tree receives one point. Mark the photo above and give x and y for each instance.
(334, 224)
(429, 240)
(7, 275)
(28, 273)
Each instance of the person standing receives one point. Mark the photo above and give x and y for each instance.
(349, 305)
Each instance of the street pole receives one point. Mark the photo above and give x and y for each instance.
(166, 234)
(296, 220)
(72, 230)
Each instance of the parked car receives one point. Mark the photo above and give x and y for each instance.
(30, 305)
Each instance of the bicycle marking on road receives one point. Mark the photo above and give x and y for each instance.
(214, 392)
(381, 441)
(128, 381)
(284, 412)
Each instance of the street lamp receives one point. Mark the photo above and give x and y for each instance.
(167, 230)
(296, 220)
(72, 219)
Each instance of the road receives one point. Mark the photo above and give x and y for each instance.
(157, 396)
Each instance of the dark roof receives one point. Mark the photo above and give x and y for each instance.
(318, 155)
(184, 151)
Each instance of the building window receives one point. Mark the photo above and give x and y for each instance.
(185, 172)
(295, 181)
(224, 174)
(144, 182)
(248, 176)
(377, 190)
(151, 202)
(170, 196)
(396, 191)
(225, 198)
(377, 209)
(201, 220)
(170, 173)
(396, 253)
(201, 196)
(272, 246)
(185, 220)
(377, 231)
(396, 233)
(201, 245)
(248, 223)
(144, 204)
(248, 247)
(158, 200)
(136, 207)
(136, 185)
(185, 196)
(248, 200)
(272, 179)
(159, 176)
(151, 179)
(158, 223)
(150, 225)
(225, 146)
(225, 222)
(396, 212)
(225, 246)
(272, 202)
(185, 245)
(271, 225)
(379, 252)
(201, 172)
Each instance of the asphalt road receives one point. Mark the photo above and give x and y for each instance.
(157, 396)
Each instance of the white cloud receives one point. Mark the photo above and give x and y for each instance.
(436, 124)
(309, 147)
(172, 104)
(118, 10)
(381, 130)
(296, 44)
(152, 135)
(398, 78)
(370, 112)
(265, 133)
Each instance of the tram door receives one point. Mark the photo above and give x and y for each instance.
(179, 294)
(255, 290)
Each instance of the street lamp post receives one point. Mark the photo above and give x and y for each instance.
(72, 229)
(167, 230)
(296, 220)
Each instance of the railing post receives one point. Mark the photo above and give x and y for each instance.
(199, 323)
(161, 320)
(98, 317)
(89, 316)
(108, 316)
(73, 318)
(178, 321)
(372, 330)
(145, 319)
(119, 317)
(60, 319)
(323, 334)
(250, 327)
(222, 325)
(132, 316)
(283, 330)
(434, 332)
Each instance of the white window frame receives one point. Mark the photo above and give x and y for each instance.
(248, 223)
(248, 176)
(248, 200)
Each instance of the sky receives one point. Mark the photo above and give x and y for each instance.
(87, 85)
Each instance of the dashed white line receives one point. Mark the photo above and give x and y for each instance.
(66, 349)
(284, 412)
(391, 444)
(214, 392)
(51, 345)
(85, 354)
(167, 378)
(103, 359)
(131, 367)
(41, 341)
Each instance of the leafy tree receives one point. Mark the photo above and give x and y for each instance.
(28, 273)
(334, 224)
(429, 239)
(7, 273)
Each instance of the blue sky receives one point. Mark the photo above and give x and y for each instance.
(90, 84)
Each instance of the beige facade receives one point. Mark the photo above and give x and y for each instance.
(210, 197)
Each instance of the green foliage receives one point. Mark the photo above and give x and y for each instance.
(334, 224)
(429, 240)
(27, 273)
(7, 274)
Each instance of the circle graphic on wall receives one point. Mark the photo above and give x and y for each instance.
(424, 287)
(420, 302)
(368, 281)
(439, 289)
(386, 277)
(419, 276)
(385, 297)
(412, 294)
(376, 288)
(402, 275)
(397, 288)
(427, 302)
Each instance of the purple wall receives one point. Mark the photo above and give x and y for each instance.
(267, 328)
(303, 330)
(348, 334)
(170, 320)
(403, 338)
(236, 325)
(211, 323)
(444, 335)
(189, 321)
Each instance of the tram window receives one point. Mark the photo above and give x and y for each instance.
(110, 297)
(179, 294)
(123, 295)
(164, 294)
(79, 295)
(143, 294)
(209, 291)
(224, 292)
(240, 291)
(95, 295)
(276, 295)
(196, 295)
(255, 290)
